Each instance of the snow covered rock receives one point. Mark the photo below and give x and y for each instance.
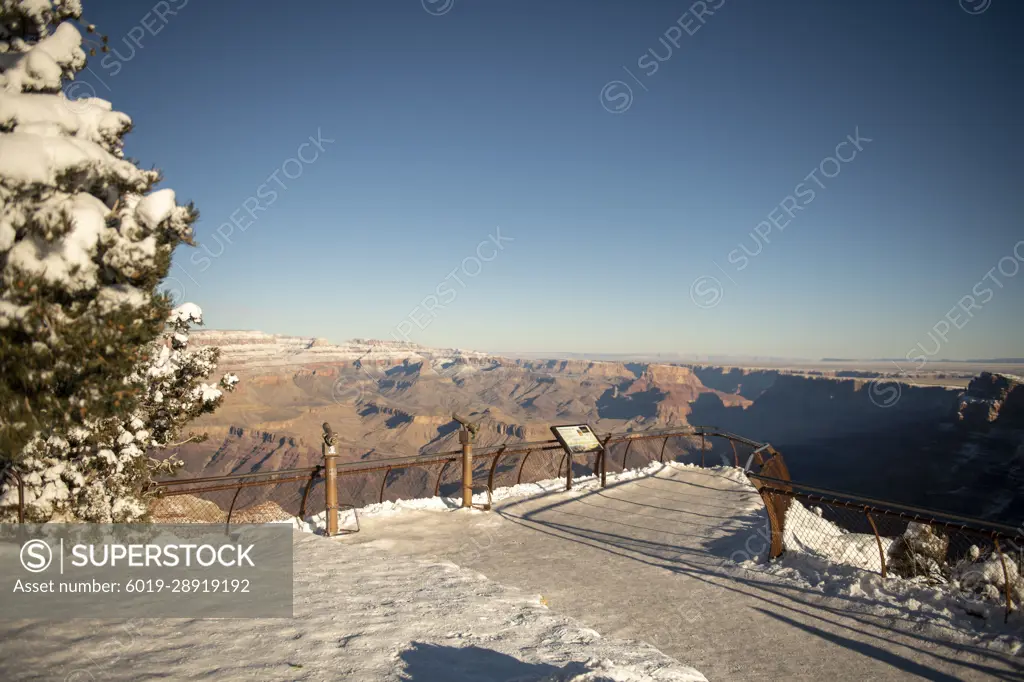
(992, 399)
(920, 551)
(988, 576)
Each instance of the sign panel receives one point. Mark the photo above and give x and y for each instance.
(576, 438)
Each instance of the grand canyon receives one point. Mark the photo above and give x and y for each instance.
(947, 436)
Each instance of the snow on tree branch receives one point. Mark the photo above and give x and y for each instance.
(84, 238)
(95, 368)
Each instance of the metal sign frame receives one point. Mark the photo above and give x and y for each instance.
(569, 452)
(597, 447)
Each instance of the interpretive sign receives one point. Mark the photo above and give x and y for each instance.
(576, 438)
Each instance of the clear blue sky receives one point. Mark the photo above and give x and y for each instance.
(447, 127)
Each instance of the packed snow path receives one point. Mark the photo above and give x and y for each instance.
(643, 559)
(361, 615)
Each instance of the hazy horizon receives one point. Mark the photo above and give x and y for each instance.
(556, 353)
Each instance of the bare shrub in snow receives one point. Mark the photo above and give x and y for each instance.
(84, 241)
(920, 551)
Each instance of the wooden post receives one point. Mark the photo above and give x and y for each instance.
(330, 480)
(775, 520)
(467, 468)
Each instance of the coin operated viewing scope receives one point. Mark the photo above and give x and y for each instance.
(331, 480)
(468, 431)
(466, 435)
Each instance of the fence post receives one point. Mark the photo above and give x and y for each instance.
(775, 521)
(231, 510)
(604, 460)
(568, 471)
(440, 475)
(878, 539)
(494, 465)
(305, 493)
(330, 480)
(519, 479)
(383, 485)
(1006, 579)
(467, 468)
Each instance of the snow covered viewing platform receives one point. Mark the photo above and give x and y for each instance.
(675, 556)
(658, 575)
(646, 570)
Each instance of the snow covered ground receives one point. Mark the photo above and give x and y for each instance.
(361, 614)
(820, 556)
(671, 558)
(667, 557)
(826, 559)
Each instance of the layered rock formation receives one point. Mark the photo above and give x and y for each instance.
(388, 399)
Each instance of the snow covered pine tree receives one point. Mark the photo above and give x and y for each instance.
(94, 367)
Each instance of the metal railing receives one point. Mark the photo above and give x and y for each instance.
(284, 494)
(975, 556)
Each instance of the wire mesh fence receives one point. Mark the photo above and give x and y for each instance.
(244, 499)
(975, 558)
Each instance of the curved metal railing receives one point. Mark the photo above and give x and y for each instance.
(296, 492)
(495, 453)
